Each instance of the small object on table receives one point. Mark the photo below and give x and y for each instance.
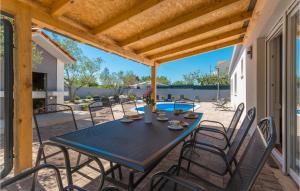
(135, 117)
(178, 111)
(162, 118)
(126, 119)
(175, 125)
(184, 124)
(191, 115)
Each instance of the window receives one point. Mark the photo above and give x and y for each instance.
(231, 86)
(235, 83)
(242, 68)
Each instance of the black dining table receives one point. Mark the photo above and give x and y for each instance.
(137, 145)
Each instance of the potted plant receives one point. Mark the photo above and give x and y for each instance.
(148, 107)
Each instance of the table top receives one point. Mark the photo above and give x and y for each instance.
(136, 145)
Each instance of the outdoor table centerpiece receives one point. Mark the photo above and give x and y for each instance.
(148, 107)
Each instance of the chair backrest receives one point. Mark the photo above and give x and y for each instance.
(54, 120)
(96, 98)
(181, 104)
(234, 121)
(129, 107)
(101, 111)
(254, 157)
(18, 182)
(240, 135)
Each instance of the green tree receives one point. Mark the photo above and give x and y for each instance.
(179, 82)
(105, 78)
(37, 55)
(191, 78)
(118, 80)
(160, 79)
(81, 73)
(129, 78)
(207, 79)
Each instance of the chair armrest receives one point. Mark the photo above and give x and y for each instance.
(206, 147)
(214, 122)
(174, 179)
(34, 170)
(212, 130)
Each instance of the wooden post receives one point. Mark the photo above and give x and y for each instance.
(153, 85)
(23, 90)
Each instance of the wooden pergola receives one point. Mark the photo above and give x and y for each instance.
(151, 32)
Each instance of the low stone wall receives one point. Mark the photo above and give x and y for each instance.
(204, 94)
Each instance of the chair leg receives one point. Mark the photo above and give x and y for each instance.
(120, 173)
(113, 171)
(37, 162)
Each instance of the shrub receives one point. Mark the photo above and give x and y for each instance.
(88, 97)
(77, 98)
(85, 107)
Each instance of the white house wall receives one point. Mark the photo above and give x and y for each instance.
(272, 13)
(60, 82)
(240, 95)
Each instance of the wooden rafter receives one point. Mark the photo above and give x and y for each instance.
(201, 11)
(240, 17)
(142, 6)
(222, 36)
(60, 6)
(199, 51)
(44, 19)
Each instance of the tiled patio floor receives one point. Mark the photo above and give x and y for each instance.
(269, 179)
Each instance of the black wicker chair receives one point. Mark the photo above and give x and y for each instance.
(9, 183)
(101, 112)
(214, 131)
(65, 122)
(54, 120)
(129, 107)
(247, 170)
(211, 157)
(179, 102)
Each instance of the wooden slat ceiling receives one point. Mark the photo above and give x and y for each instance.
(149, 31)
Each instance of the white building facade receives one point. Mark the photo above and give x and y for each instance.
(265, 73)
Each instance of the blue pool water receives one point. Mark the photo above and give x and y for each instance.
(169, 107)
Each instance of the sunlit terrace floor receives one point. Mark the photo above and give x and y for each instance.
(269, 179)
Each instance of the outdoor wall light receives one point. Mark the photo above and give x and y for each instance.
(250, 52)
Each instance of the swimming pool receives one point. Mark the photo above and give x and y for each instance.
(170, 107)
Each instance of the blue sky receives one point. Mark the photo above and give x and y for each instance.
(173, 70)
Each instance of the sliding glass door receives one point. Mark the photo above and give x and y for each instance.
(293, 92)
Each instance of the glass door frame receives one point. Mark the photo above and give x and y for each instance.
(290, 107)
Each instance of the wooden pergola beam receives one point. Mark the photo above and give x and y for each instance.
(202, 42)
(200, 11)
(23, 90)
(199, 51)
(142, 6)
(240, 17)
(153, 85)
(59, 7)
(44, 19)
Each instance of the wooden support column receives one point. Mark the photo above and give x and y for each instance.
(153, 84)
(23, 90)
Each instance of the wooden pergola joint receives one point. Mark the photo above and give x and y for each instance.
(212, 39)
(142, 6)
(236, 18)
(60, 7)
(200, 11)
(199, 51)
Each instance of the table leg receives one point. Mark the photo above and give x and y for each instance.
(131, 181)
